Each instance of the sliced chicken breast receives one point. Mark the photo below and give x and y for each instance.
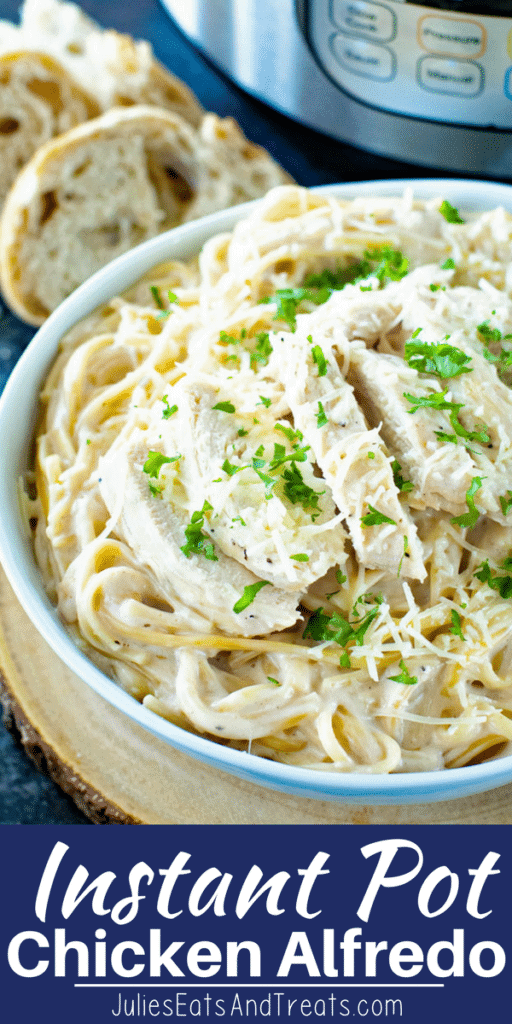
(155, 532)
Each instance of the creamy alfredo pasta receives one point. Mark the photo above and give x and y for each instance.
(274, 488)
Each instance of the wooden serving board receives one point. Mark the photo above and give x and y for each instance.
(119, 774)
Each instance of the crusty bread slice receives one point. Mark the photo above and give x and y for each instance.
(113, 182)
(38, 100)
(114, 68)
(236, 170)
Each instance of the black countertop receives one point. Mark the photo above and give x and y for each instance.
(26, 796)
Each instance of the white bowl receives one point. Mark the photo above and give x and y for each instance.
(18, 409)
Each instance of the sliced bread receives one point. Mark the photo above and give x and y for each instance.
(114, 68)
(38, 100)
(113, 182)
(236, 170)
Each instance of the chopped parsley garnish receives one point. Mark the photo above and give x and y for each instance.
(506, 502)
(224, 407)
(256, 464)
(267, 402)
(433, 401)
(295, 489)
(228, 339)
(406, 548)
(456, 628)
(405, 676)
(324, 627)
(159, 302)
(488, 332)
(157, 297)
(340, 578)
(450, 213)
(470, 519)
(248, 595)
(371, 455)
(400, 483)
(301, 557)
(337, 629)
(155, 461)
(230, 469)
(472, 435)
(241, 432)
(169, 410)
(493, 335)
(299, 492)
(288, 300)
(320, 360)
(333, 280)
(416, 332)
(448, 264)
(437, 401)
(435, 287)
(321, 418)
(269, 481)
(280, 456)
(238, 519)
(262, 351)
(441, 360)
(390, 265)
(365, 599)
(274, 681)
(197, 542)
(289, 432)
(502, 584)
(382, 262)
(375, 518)
(503, 358)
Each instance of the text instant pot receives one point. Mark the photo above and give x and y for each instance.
(190, 906)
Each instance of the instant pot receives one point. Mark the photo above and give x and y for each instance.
(425, 83)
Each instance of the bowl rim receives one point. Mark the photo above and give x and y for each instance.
(17, 410)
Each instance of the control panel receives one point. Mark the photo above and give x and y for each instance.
(422, 61)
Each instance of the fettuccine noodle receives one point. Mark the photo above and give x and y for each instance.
(272, 494)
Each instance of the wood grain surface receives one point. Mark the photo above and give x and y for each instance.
(117, 773)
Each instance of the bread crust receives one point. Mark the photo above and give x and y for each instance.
(135, 81)
(38, 100)
(181, 174)
(116, 69)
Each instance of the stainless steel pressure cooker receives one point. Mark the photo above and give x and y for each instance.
(425, 83)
